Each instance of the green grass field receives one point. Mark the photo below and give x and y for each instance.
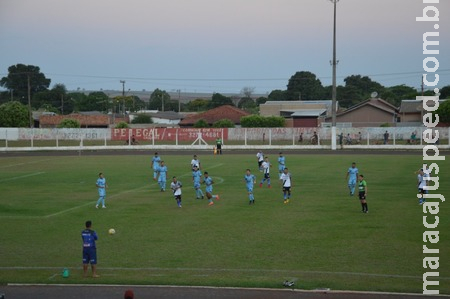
(320, 239)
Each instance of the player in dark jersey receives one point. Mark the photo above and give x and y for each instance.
(362, 189)
(89, 237)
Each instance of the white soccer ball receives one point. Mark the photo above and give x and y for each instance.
(111, 231)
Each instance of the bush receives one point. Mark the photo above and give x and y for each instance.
(223, 123)
(14, 114)
(142, 119)
(257, 121)
(69, 123)
(122, 125)
(201, 123)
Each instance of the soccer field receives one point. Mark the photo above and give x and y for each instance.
(320, 239)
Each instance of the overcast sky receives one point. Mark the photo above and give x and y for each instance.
(218, 45)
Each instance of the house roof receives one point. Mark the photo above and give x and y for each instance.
(413, 106)
(374, 102)
(211, 116)
(306, 112)
(171, 115)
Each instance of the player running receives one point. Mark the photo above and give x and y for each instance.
(196, 178)
(208, 181)
(266, 170)
(162, 176)
(250, 180)
(156, 160)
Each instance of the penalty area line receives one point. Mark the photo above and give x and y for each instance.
(22, 176)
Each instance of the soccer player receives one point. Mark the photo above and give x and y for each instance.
(195, 162)
(266, 170)
(176, 188)
(421, 184)
(101, 186)
(362, 189)
(155, 165)
(89, 237)
(260, 158)
(196, 178)
(250, 180)
(162, 176)
(281, 163)
(287, 184)
(352, 175)
(208, 181)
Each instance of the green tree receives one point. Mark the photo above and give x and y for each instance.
(445, 92)
(304, 86)
(246, 103)
(220, 100)
(142, 119)
(74, 102)
(198, 105)
(363, 86)
(69, 123)
(444, 112)
(20, 76)
(201, 123)
(51, 100)
(261, 100)
(159, 100)
(278, 95)
(14, 114)
(223, 123)
(122, 125)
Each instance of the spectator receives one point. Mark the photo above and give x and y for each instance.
(386, 137)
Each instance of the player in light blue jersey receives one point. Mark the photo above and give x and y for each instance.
(352, 175)
(162, 176)
(196, 178)
(250, 180)
(208, 181)
(281, 163)
(101, 186)
(155, 165)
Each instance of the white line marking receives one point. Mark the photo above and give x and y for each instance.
(228, 270)
(22, 176)
(25, 163)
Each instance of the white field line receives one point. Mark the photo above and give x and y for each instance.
(22, 176)
(26, 163)
(117, 195)
(203, 270)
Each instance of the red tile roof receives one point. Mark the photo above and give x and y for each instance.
(211, 116)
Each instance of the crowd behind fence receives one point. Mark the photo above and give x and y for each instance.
(85, 137)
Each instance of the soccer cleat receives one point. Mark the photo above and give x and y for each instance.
(268, 186)
(96, 206)
(211, 203)
(217, 197)
(285, 202)
(103, 207)
(260, 185)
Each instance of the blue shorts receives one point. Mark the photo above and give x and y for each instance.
(89, 256)
(208, 189)
(250, 189)
(197, 185)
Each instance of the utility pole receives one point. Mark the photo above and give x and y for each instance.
(333, 96)
(29, 100)
(179, 101)
(123, 96)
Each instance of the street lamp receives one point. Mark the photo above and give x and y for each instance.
(333, 95)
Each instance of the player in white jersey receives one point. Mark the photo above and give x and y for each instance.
(266, 170)
(286, 183)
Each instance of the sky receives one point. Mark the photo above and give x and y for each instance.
(220, 46)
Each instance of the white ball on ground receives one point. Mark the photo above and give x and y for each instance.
(111, 231)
